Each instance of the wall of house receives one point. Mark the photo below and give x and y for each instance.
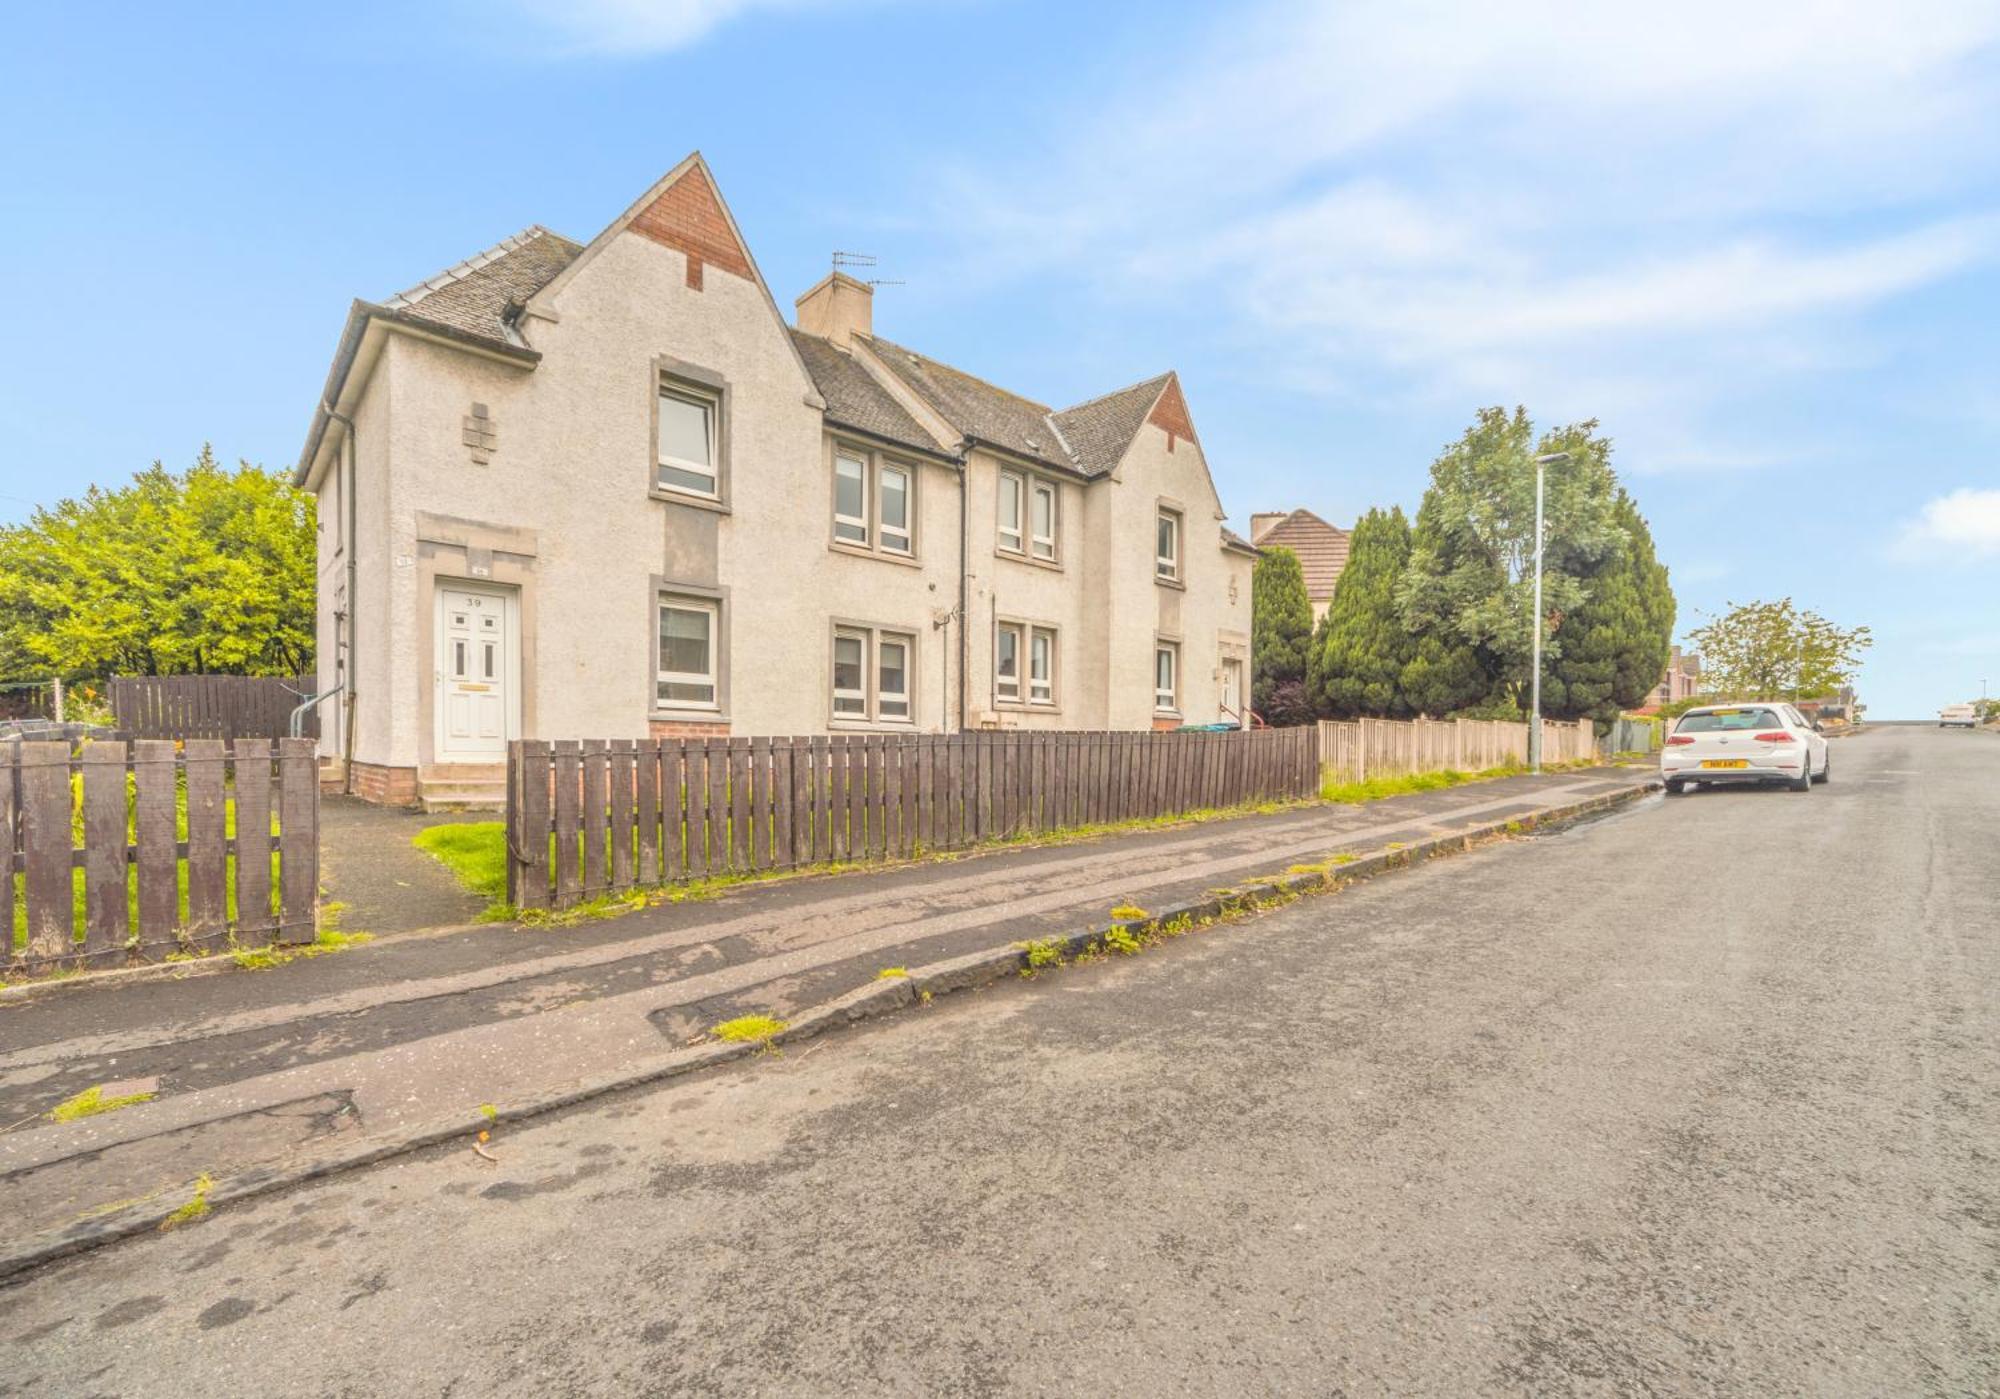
(1209, 614)
(374, 641)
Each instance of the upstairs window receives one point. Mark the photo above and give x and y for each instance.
(686, 436)
(874, 503)
(850, 499)
(1167, 547)
(1012, 489)
(1042, 541)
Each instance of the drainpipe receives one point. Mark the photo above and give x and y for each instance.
(964, 553)
(352, 543)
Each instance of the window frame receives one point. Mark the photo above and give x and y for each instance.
(1037, 487)
(674, 378)
(711, 608)
(1167, 701)
(876, 464)
(1019, 631)
(1167, 567)
(862, 521)
(1048, 700)
(1019, 533)
(872, 638)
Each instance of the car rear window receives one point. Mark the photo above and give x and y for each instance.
(1728, 720)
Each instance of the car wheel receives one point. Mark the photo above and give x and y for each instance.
(1675, 789)
(1825, 771)
(1803, 782)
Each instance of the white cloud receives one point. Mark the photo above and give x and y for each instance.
(1608, 209)
(637, 27)
(1954, 528)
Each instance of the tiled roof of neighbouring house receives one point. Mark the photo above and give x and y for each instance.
(1321, 547)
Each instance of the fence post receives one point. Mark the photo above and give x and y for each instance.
(298, 818)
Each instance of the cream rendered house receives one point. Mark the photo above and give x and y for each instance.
(607, 492)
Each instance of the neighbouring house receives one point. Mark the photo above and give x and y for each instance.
(605, 491)
(1321, 547)
(1680, 681)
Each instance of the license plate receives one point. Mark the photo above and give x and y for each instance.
(1725, 762)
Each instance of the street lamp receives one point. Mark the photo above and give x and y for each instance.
(1535, 686)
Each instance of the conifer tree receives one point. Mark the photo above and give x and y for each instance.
(1280, 633)
(1359, 652)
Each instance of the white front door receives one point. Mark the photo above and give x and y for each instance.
(1232, 690)
(476, 672)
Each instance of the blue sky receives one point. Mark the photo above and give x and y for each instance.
(1760, 243)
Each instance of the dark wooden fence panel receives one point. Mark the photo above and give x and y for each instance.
(112, 853)
(210, 706)
(622, 815)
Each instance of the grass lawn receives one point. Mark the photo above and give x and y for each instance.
(475, 851)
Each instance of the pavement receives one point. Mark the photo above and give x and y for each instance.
(264, 1078)
(1697, 1098)
(382, 882)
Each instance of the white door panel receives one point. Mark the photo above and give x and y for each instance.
(476, 672)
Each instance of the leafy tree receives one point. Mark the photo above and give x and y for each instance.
(1446, 672)
(208, 570)
(1361, 647)
(1471, 573)
(1616, 641)
(1776, 650)
(1280, 631)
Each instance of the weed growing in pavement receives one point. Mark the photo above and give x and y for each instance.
(196, 1207)
(1129, 913)
(91, 1101)
(891, 973)
(252, 959)
(1045, 953)
(1120, 939)
(748, 1029)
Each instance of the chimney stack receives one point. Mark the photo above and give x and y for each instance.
(838, 308)
(1262, 523)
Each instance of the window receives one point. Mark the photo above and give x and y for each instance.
(1042, 666)
(1166, 674)
(687, 654)
(850, 499)
(1011, 489)
(874, 502)
(892, 678)
(895, 497)
(1043, 539)
(686, 434)
(1167, 547)
(893, 652)
(1007, 663)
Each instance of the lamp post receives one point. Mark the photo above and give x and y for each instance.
(1535, 685)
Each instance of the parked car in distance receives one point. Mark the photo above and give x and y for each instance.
(1959, 716)
(1767, 742)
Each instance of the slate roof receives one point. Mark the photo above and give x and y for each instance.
(1099, 430)
(1321, 547)
(976, 408)
(472, 297)
(855, 398)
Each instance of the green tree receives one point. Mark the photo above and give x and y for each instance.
(1776, 650)
(208, 570)
(1281, 627)
(1361, 647)
(1616, 641)
(1447, 672)
(1471, 573)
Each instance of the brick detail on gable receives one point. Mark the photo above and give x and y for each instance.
(1170, 414)
(688, 218)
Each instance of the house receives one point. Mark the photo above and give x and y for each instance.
(606, 491)
(1680, 681)
(1321, 547)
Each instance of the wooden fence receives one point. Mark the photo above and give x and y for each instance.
(116, 852)
(585, 819)
(210, 706)
(1359, 749)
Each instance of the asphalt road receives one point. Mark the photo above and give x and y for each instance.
(1700, 1098)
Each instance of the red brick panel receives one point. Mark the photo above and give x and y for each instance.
(688, 218)
(1171, 414)
(681, 728)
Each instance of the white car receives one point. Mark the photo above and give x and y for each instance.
(1763, 742)
(1958, 716)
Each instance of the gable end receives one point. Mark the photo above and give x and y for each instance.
(688, 218)
(1170, 414)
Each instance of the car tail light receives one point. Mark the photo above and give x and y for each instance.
(1678, 739)
(1776, 736)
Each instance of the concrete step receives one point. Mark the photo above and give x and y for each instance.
(462, 796)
